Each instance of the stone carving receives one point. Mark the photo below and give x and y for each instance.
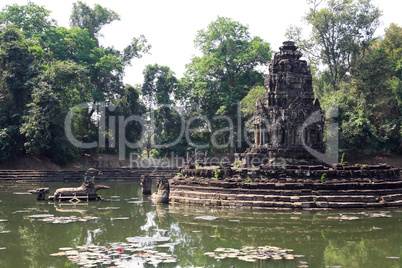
(146, 182)
(162, 194)
(87, 191)
(279, 119)
(40, 193)
(197, 157)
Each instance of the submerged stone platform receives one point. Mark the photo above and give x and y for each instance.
(289, 187)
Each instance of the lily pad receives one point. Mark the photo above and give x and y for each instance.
(135, 202)
(41, 216)
(120, 218)
(109, 208)
(207, 218)
(147, 239)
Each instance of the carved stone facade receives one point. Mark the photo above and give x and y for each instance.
(288, 118)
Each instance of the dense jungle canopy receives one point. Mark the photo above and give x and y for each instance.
(46, 71)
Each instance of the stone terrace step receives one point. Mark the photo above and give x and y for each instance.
(277, 204)
(281, 198)
(108, 174)
(301, 192)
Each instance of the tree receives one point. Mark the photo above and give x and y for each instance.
(248, 103)
(357, 72)
(159, 85)
(46, 70)
(18, 61)
(31, 19)
(43, 126)
(164, 126)
(217, 81)
(370, 109)
(129, 104)
(93, 20)
(342, 31)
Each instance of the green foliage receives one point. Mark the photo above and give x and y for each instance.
(216, 173)
(31, 19)
(39, 123)
(359, 74)
(164, 119)
(159, 84)
(154, 153)
(342, 31)
(369, 104)
(10, 142)
(93, 20)
(323, 235)
(127, 105)
(248, 180)
(217, 81)
(342, 162)
(323, 177)
(46, 70)
(248, 103)
(197, 166)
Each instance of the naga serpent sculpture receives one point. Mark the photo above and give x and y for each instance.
(162, 194)
(87, 190)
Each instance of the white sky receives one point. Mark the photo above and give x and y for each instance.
(171, 25)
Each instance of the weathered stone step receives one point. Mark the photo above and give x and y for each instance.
(273, 204)
(108, 174)
(301, 192)
(281, 198)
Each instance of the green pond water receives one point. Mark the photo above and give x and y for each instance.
(357, 238)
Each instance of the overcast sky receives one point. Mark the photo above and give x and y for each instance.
(171, 25)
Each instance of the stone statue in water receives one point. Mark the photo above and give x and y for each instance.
(87, 190)
(162, 194)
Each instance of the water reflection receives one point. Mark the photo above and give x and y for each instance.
(346, 239)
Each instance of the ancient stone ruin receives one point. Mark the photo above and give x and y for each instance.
(87, 191)
(146, 183)
(163, 191)
(278, 171)
(40, 193)
(281, 116)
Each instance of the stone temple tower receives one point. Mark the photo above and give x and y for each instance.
(288, 120)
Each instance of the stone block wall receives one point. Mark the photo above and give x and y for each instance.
(304, 187)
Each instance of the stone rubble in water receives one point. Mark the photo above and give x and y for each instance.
(138, 250)
(253, 254)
